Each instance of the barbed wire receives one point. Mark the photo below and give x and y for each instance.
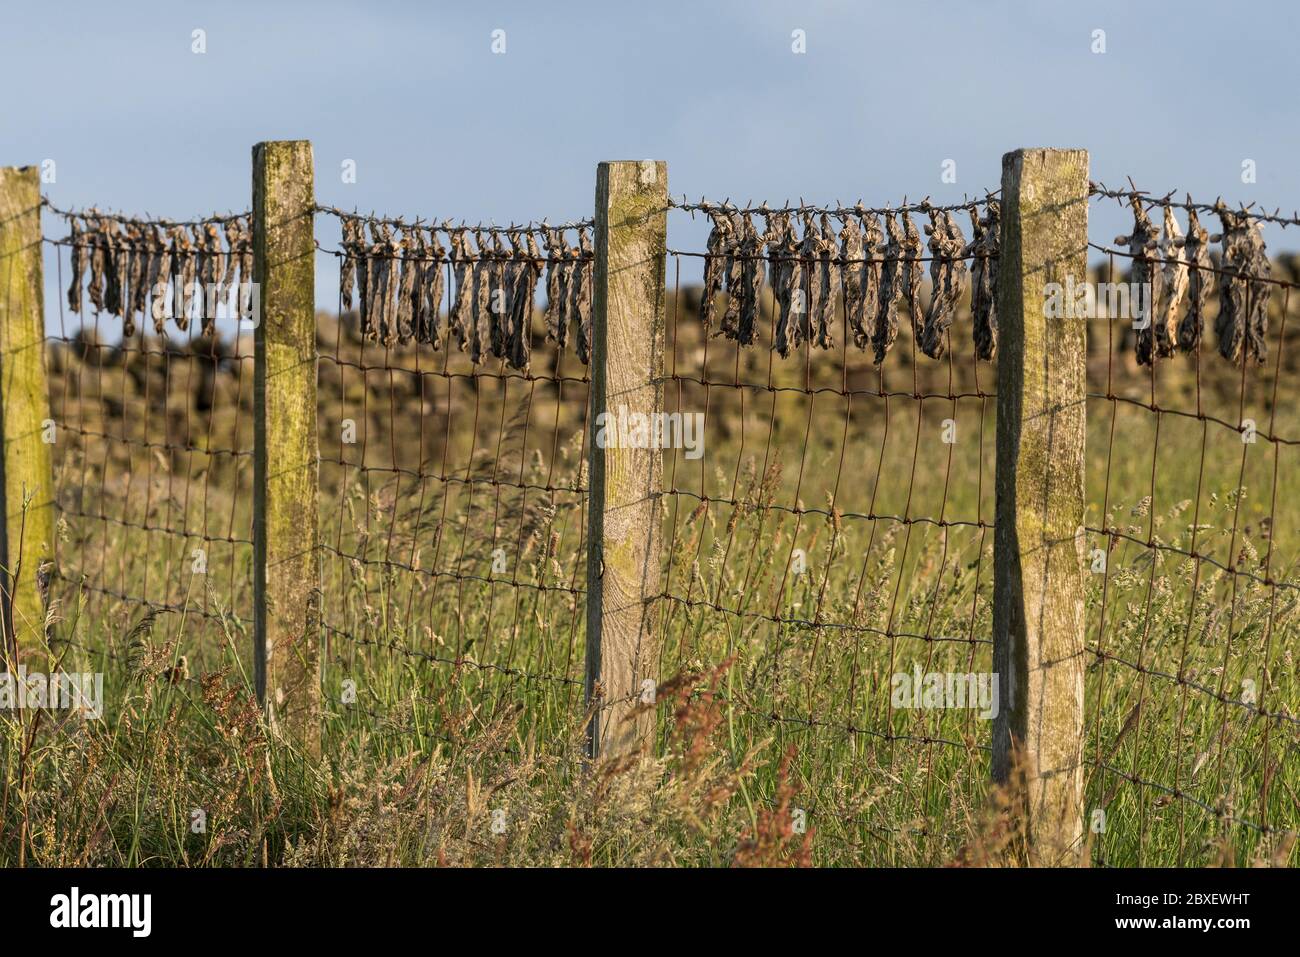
(95, 212)
(1166, 201)
(838, 210)
(449, 226)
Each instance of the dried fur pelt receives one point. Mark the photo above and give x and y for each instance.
(527, 271)
(211, 270)
(80, 256)
(148, 293)
(183, 272)
(1173, 283)
(463, 257)
(93, 239)
(353, 253)
(1242, 325)
(828, 280)
(733, 273)
(860, 267)
(229, 277)
(1200, 280)
(128, 275)
(510, 269)
(157, 274)
(947, 281)
(136, 301)
(744, 278)
(409, 246)
(368, 276)
(812, 288)
(912, 275)
(114, 271)
(892, 281)
(501, 275)
(985, 237)
(853, 271)
(751, 251)
(245, 252)
(382, 284)
(480, 343)
(715, 266)
(557, 286)
(580, 288)
(392, 255)
(194, 290)
(785, 276)
(373, 263)
(429, 291)
(1144, 247)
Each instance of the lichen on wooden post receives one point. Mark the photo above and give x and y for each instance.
(1038, 587)
(626, 483)
(286, 458)
(27, 532)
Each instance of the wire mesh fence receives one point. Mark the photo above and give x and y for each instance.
(152, 435)
(829, 534)
(1192, 730)
(828, 425)
(452, 461)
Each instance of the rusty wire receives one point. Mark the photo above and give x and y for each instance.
(138, 496)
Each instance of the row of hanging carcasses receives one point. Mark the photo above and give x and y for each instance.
(1176, 274)
(815, 261)
(399, 271)
(807, 262)
(134, 268)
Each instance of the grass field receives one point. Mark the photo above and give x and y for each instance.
(454, 721)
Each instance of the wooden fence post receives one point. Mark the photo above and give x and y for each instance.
(286, 457)
(626, 483)
(1038, 592)
(27, 516)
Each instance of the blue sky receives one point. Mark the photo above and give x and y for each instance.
(439, 125)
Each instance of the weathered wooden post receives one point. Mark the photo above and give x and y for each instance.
(1038, 593)
(27, 533)
(626, 483)
(286, 457)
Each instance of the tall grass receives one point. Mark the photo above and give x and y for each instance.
(818, 548)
